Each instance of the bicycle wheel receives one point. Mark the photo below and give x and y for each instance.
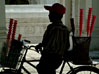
(84, 70)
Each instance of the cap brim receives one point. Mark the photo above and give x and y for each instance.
(48, 7)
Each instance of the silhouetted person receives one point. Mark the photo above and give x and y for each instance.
(55, 41)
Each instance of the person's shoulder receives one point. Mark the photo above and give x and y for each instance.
(64, 26)
(49, 26)
(57, 26)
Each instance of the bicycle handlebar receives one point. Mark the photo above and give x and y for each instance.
(30, 46)
(27, 41)
(27, 46)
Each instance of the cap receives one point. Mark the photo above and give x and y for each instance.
(56, 8)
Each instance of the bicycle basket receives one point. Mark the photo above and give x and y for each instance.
(81, 50)
(13, 56)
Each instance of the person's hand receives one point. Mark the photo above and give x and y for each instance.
(38, 47)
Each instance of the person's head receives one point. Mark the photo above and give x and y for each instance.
(56, 11)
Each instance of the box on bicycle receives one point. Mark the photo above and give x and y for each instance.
(13, 56)
(79, 55)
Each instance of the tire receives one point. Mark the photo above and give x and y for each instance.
(8, 71)
(84, 70)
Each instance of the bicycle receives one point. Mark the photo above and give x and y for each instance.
(89, 69)
(86, 69)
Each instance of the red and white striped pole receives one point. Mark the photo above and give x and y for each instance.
(10, 30)
(92, 24)
(9, 36)
(14, 29)
(81, 22)
(19, 37)
(88, 20)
